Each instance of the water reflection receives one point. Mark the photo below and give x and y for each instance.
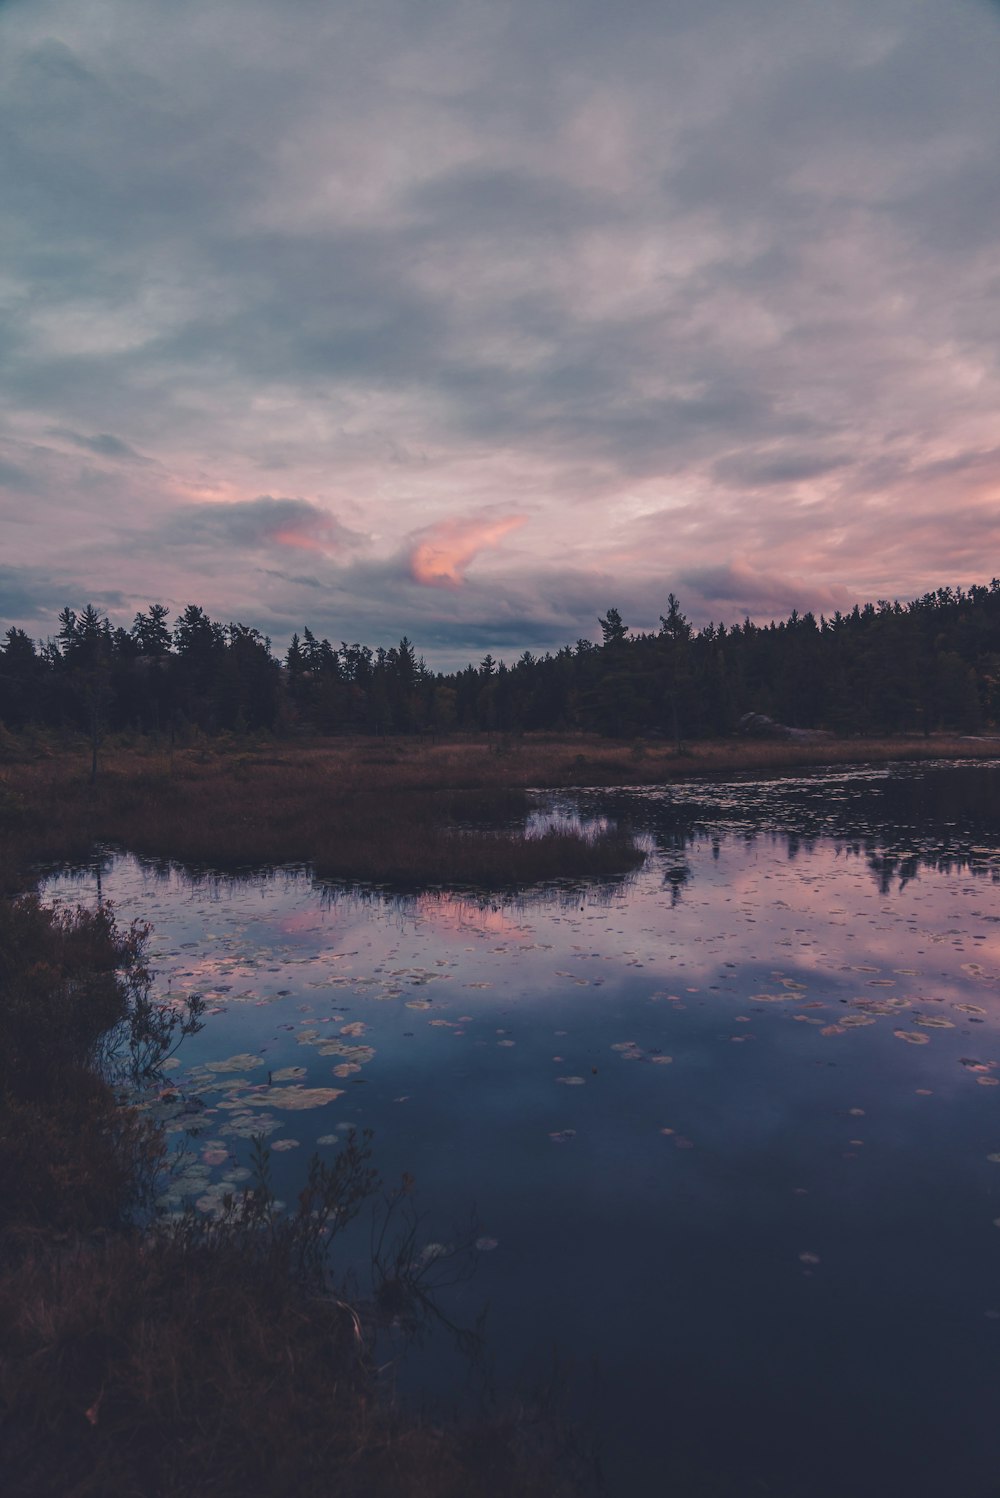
(731, 1130)
(901, 817)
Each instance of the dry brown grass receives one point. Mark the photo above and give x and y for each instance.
(74, 1013)
(361, 812)
(177, 1365)
(394, 811)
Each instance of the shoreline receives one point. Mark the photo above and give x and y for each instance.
(375, 810)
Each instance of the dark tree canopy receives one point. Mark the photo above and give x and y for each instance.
(883, 668)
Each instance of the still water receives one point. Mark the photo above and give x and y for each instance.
(731, 1130)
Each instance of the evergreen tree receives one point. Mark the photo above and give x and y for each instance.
(613, 630)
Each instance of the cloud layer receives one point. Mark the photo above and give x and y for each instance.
(470, 320)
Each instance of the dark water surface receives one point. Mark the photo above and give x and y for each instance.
(732, 1130)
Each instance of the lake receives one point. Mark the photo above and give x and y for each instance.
(731, 1129)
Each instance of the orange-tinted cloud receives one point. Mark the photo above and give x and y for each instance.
(299, 539)
(442, 552)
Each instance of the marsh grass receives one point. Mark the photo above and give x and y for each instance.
(220, 1357)
(412, 820)
(76, 1022)
(398, 812)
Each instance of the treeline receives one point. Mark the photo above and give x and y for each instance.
(884, 668)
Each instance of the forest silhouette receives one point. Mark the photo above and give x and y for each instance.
(929, 665)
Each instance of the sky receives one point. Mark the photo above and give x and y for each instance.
(468, 319)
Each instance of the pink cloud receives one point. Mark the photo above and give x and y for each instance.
(300, 540)
(442, 552)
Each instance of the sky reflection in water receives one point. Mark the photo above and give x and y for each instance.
(729, 1126)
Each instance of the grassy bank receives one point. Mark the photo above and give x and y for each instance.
(396, 817)
(394, 811)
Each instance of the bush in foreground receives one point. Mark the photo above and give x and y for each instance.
(76, 1023)
(199, 1356)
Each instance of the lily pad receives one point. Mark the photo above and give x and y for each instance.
(295, 1099)
(881, 1006)
(243, 1062)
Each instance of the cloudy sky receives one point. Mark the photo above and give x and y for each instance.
(470, 318)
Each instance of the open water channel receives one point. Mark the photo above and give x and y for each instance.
(731, 1128)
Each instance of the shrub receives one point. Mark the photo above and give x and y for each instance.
(76, 1022)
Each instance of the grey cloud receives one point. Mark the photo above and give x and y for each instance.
(255, 523)
(474, 202)
(104, 444)
(756, 470)
(541, 609)
(31, 597)
(956, 211)
(298, 579)
(341, 304)
(26, 594)
(14, 477)
(978, 461)
(109, 600)
(681, 248)
(739, 590)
